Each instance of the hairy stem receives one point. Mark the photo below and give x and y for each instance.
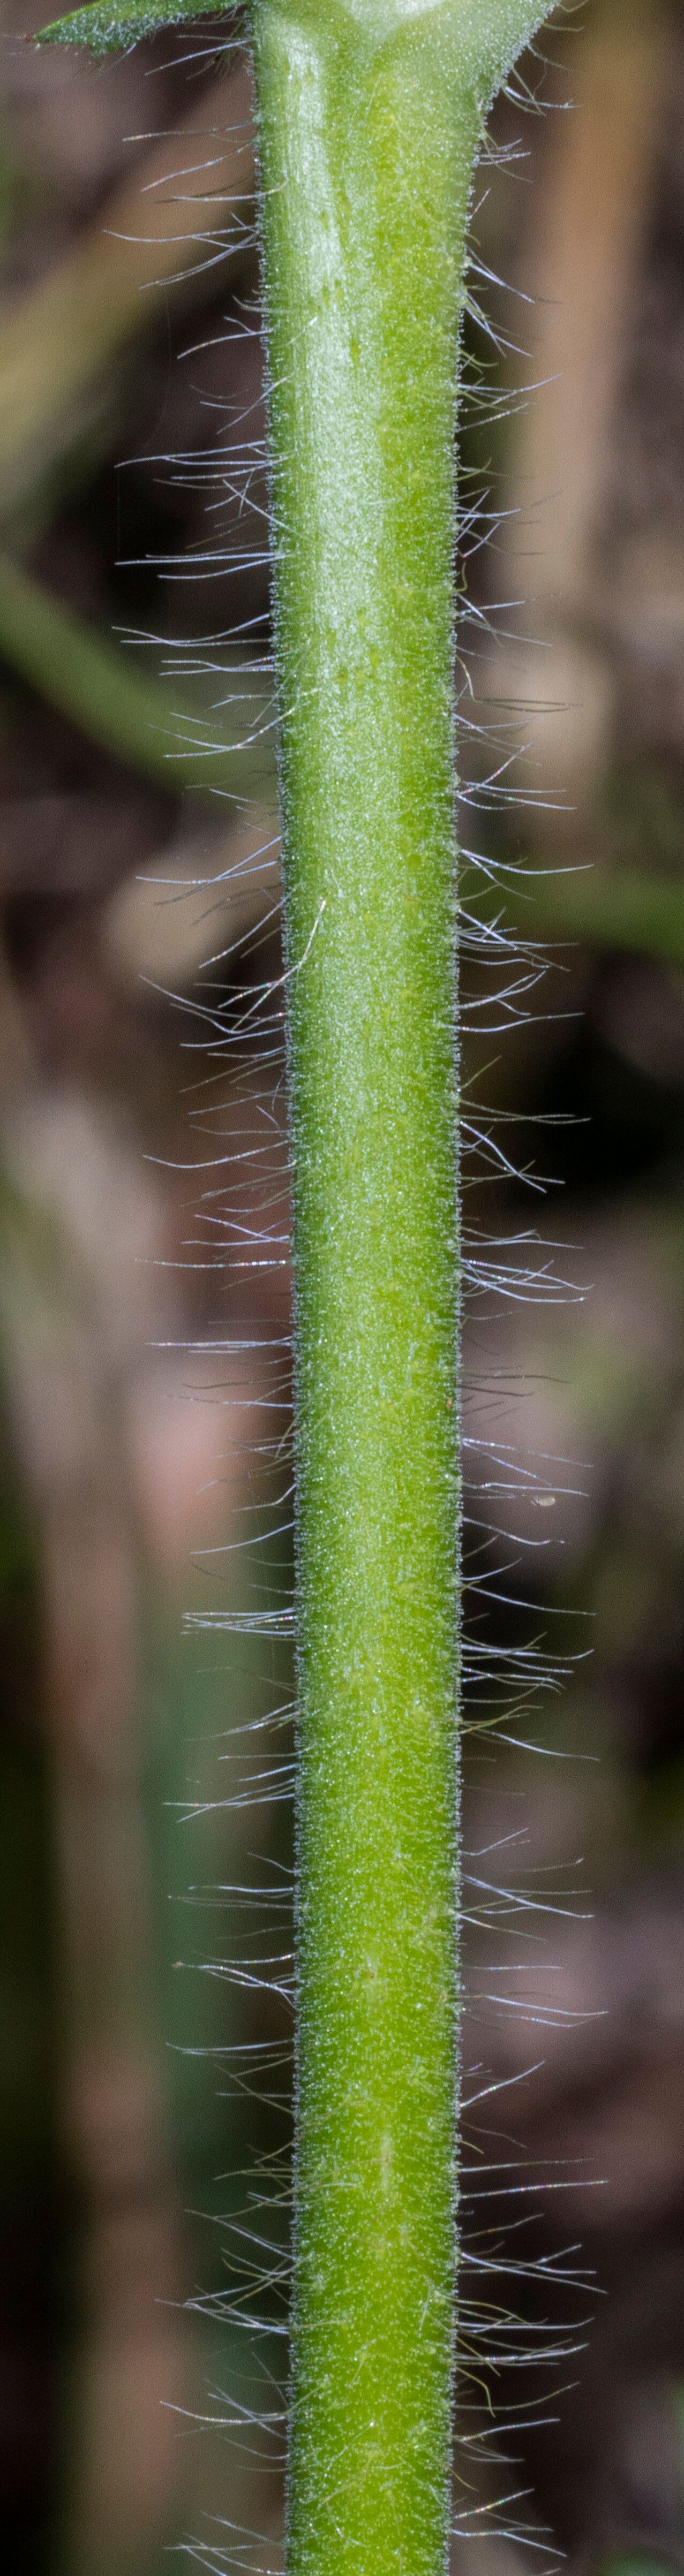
(365, 174)
(369, 121)
(369, 115)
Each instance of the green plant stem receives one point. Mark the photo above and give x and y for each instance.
(369, 116)
(366, 153)
(364, 222)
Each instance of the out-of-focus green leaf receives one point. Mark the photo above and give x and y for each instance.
(644, 914)
(137, 718)
(637, 2562)
(106, 30)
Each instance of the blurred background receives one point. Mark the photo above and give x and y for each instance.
(145, 1543)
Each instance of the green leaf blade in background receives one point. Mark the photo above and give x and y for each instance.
(140, 720)
(640, 914)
